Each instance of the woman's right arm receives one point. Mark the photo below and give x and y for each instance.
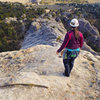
(64, 43)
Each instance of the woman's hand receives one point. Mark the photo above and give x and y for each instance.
(57, 53)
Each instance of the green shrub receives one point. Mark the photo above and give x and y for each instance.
(58, 39)
(11, 33)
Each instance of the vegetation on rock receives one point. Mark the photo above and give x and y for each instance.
(12, 33)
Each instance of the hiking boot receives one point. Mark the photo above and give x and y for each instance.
(65, 74)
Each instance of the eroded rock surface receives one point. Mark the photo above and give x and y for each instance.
(37, 74)
(44, 31)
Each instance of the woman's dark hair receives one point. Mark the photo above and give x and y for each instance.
(76, 31)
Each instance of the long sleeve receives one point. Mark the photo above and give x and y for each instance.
(64, 43)
(81, 40)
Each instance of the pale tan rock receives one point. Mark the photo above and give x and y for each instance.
(47, 10)
(89, 56)
(24, 78)
(37, 74)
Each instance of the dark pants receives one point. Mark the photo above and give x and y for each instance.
(69, 61)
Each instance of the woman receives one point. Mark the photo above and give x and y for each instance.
(72, 43)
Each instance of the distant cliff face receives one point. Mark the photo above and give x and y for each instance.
(21, 1)
(32, 1)
(94, 1)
